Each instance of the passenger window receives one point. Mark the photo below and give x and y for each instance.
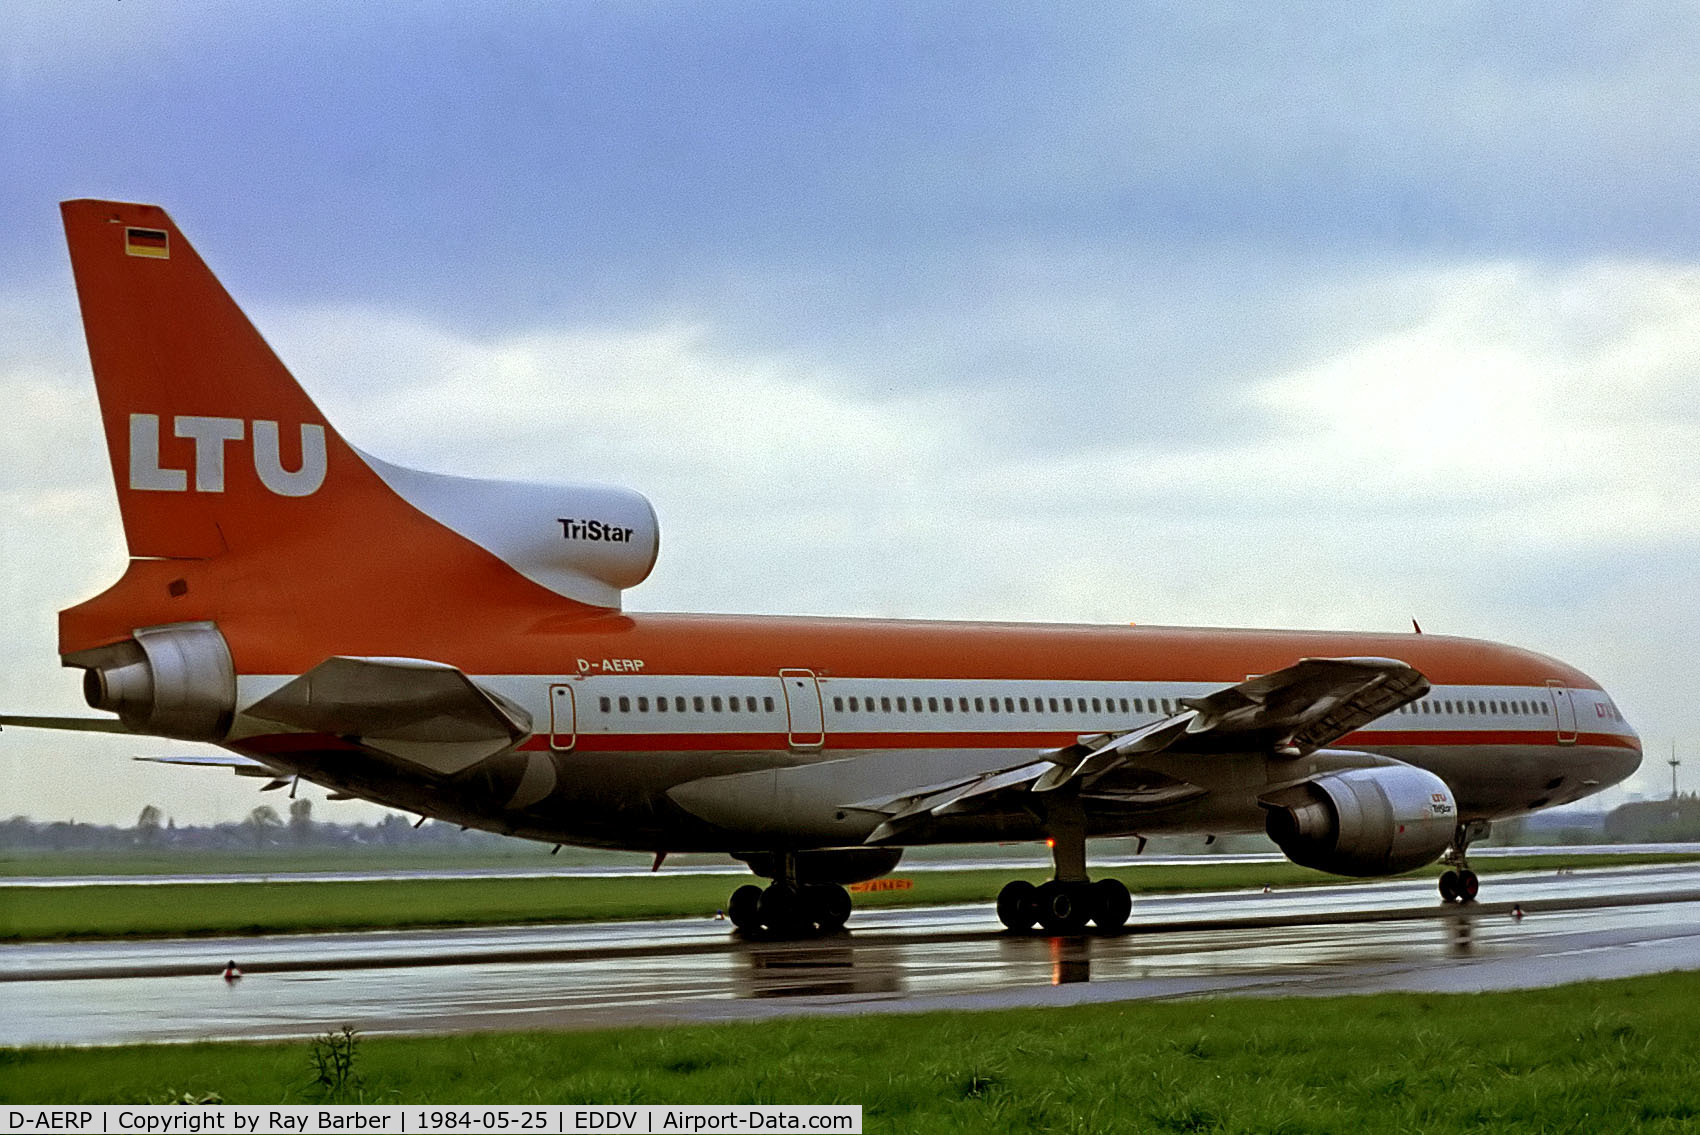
(885, 705)
(979, 705)
(1009, 705)
(607, 706)
(1095, 708)
(947, 706)
(714, 703)
(992, 704)
(697, 701)
(838, 704)
(1166, 708)
(1023, 705)
(902, 705)
(625, 705)
(933, 705)
(679, 704)
(660, 705)
(1068, 705)
(767, 703)
(643, 705)
(1124, 705)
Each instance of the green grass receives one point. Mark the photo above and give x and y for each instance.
(170, 910)
(277, 860)
(1601, 1056)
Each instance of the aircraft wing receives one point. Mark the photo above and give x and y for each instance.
(1288, 713)
(426, 712)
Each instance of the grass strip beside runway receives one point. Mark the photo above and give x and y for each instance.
(1599, 1056)
(173, 910)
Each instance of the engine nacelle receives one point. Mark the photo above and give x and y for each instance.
(587, 542)
(171, 681)
(1364, 822)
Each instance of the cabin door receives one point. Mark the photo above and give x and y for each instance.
(563, 718)
(1565, 706)
(805, 717)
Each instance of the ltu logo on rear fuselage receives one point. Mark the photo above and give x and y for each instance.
(210, 436)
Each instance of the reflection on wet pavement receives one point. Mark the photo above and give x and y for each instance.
(1349, 939)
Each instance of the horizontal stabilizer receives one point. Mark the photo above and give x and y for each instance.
(240, 765)
(77, 724)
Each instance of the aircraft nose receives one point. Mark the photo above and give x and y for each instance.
(1624, 763)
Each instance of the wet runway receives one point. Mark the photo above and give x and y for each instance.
(1360, 938)
(1035, 859)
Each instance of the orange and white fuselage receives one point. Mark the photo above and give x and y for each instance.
(457, 648)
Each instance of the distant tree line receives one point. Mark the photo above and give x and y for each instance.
(1671, 820)
(1644, 821)
(263, 827)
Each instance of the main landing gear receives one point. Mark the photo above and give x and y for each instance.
(1458, 884)
(1064, 907)
(787, 909)
(1070, 901)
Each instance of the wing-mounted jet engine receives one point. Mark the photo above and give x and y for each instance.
(1364, 822)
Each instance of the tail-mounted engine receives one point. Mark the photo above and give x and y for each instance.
(1364, 822)
(171, 681)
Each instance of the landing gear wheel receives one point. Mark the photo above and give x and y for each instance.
(1018, 906)
(744, 907)
(1468, 885)
(828, 905)
(1449, 886)
(1064, 908)
(1111, 904)
(782, 910)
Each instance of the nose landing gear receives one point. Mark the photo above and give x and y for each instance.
(1458, 884)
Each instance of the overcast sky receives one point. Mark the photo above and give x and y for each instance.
(1272, 315)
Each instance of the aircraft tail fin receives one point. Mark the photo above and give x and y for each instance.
(214, 446)
(219, 457)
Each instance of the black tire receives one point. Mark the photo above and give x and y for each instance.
(744, 907)
(828, 905)
(1449, 886)
(1064, 908)
(1017, 907)
(1111, 904)
(782, 911)
(1468, 886)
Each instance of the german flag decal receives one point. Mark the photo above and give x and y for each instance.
(147, 242)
